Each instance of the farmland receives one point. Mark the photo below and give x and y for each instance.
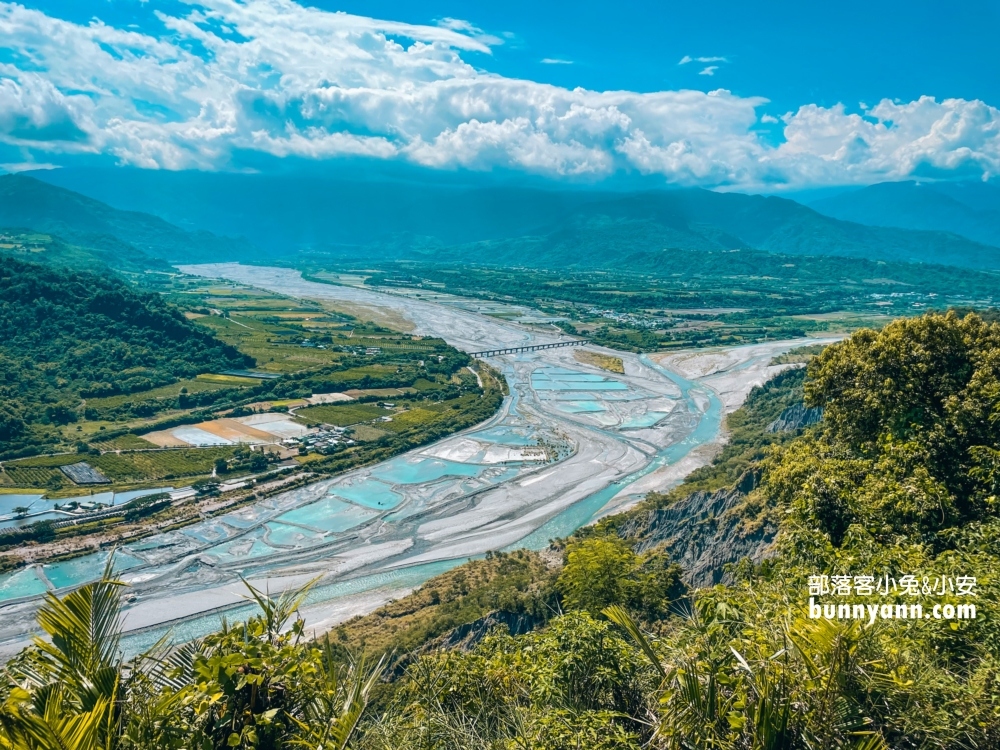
(341, 415)
(125, 468)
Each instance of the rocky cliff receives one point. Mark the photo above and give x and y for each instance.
(703, 532)
(795, 418)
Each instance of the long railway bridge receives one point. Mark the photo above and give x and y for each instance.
(535, 348)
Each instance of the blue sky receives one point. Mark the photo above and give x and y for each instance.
(781, 95)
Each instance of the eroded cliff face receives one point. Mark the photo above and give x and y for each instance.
(795, 418)
(704, 532)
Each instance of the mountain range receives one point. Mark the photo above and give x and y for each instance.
(969, 209)
(195, 216)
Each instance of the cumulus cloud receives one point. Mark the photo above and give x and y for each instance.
(709, 70)
(275, 77)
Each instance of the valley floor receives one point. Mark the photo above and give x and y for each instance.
(572, 442)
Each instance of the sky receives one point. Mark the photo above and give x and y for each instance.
(724, 94)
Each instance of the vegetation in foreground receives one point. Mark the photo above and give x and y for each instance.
(898, 479)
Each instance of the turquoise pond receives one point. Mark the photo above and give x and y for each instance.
(370, 493)
(21, 583)
(561, 379)
(409, 471)
(80, 570)
(580, 407)
(648, 419)
(285, 535)
(329, 514)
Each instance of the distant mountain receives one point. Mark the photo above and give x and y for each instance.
(28, 203)
(371, 216)
(969, 209)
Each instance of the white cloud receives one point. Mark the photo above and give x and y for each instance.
(556, 61)
(769, 119)
(274, 77)
(688, 59)
(709, 70)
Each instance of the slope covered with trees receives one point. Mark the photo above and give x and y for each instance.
(69, 335)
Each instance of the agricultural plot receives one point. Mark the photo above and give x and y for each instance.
(122, 468)
(34, 476)
(127, 442)
(341, 415)
(418, 417)
(200, 384)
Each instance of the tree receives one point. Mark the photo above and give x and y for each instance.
(601, 571)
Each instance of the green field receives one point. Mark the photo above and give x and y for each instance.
(200, 384)
(126, 468)
(127, 442)
(341, 416)
(418, 417)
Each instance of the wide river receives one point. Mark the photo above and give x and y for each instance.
(375, 533)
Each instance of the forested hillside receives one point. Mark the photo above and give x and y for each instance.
(69, 335)
(29, 203)
(888, 504)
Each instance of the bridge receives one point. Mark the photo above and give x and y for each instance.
(535, 348)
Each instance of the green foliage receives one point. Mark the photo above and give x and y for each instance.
(71, 334)
(575, 684)
(912, 427)
(251, 685)
(602, 570)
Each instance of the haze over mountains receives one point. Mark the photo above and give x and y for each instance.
(197, 216)
(970, 208)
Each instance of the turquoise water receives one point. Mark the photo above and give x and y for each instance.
(290, 536)
(328, 514)
(583, 512)
(561, 379)
(80, 570)
(648, 419)
(580, 407)
(504, 436)
(21, 583)
(370, 493)
(198, 627)
(408, 471)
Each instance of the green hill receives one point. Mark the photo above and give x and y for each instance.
(99, 251)
(27, 202)
(67, 335)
